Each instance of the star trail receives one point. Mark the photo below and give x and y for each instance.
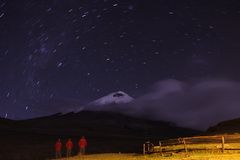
(58, 54)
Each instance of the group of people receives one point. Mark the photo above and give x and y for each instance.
(82, 143)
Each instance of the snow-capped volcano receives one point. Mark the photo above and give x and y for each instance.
(113, 98)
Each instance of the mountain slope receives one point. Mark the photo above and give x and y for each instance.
(230, 126)
(99, 123)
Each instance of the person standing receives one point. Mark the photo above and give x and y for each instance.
(58, 148)
(69, 146)
(82, 145)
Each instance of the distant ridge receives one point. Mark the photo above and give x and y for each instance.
(229, 126)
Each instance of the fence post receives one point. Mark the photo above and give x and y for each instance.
(185, 146)
(223, 142)
(144, 148)
(160, 147)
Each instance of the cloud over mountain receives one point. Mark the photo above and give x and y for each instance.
(198, 105)
(189, 104)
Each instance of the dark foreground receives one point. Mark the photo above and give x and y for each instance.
(106, 133)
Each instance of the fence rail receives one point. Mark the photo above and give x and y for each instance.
(212, 143)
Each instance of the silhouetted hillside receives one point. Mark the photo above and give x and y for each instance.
(230, 126)
(105, 131)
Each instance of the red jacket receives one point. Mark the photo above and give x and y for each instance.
(82, 143)
(58, 146)
(69, 144)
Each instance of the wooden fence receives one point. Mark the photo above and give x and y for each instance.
(188, 144)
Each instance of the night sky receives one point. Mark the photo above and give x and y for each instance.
(56, 54)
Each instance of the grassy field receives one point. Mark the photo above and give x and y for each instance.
(192, 156)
